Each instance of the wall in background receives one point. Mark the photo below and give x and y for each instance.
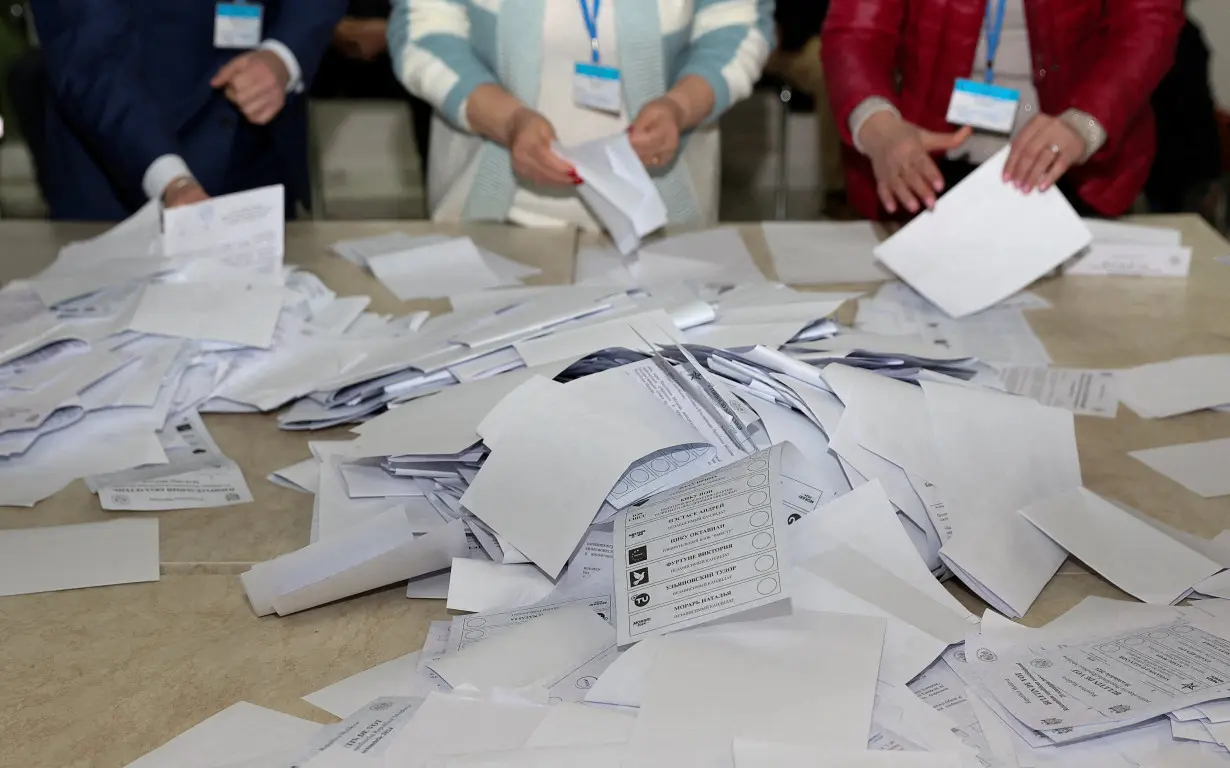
(1214, 17)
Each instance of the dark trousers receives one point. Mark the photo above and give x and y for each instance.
(956, 170)
(27, 85)
(340, 77)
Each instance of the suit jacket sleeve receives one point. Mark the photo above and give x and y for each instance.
(306, 28)
(92, 57)
(1135, 52)
(859, 49)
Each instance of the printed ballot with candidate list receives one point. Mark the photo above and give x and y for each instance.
(712, 547)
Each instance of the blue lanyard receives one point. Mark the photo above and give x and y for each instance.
(591, 26)
(993, 31)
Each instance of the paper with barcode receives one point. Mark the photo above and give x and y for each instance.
(1083, 392)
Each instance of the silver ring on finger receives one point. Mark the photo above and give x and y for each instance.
(1055, 150)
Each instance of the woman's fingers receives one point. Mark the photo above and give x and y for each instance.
(555, 163)
(886, 197)
(1020, 145)
(653, 144)
(540, 165)
(901, 189)
(1038, 157)
(916, 177)
(931, 173)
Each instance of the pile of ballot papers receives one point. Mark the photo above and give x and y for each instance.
(685, 515)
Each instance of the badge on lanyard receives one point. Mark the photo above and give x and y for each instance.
(593, 85)
(986, 106)
(237, 25)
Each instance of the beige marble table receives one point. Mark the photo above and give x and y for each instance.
(98, 677)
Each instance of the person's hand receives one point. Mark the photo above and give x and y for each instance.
(529, 140)
(900, 153)
(362, 39)
(183, 191)
(256, 83)
(654, 133)
(1042, 153)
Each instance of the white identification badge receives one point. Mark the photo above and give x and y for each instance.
(596, 87)
(984, 106)
(237, 25)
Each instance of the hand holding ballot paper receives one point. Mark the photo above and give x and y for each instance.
(618, 189)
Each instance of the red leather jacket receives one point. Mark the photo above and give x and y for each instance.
(1104, 57)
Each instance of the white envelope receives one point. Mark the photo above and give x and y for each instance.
(435, 269)
(482, 586)
(443, 423)
(392, 678)
(864, 521)
(618, 189)
(1030, 451)
(539, 652)
(1202, 468)
(814, 684)
(1174, 387)
(242, 314)
(368, 556)
(241, 732)
(547, 475)
(572, 724)
(1127, 551)
(890, 418)
(984, 241)
(74, 556)
(448, 725)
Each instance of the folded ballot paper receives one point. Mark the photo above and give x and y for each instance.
(618, 189)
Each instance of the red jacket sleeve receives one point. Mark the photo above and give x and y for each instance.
(1136, 51)
(859, 50)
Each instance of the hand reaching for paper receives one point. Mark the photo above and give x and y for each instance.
(900, 154)
(655, 132)
(256, 83)
(1042, 153)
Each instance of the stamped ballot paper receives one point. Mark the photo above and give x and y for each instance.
(1113, 680)
(713, 547)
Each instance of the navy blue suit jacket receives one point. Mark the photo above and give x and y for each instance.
(130, 83)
